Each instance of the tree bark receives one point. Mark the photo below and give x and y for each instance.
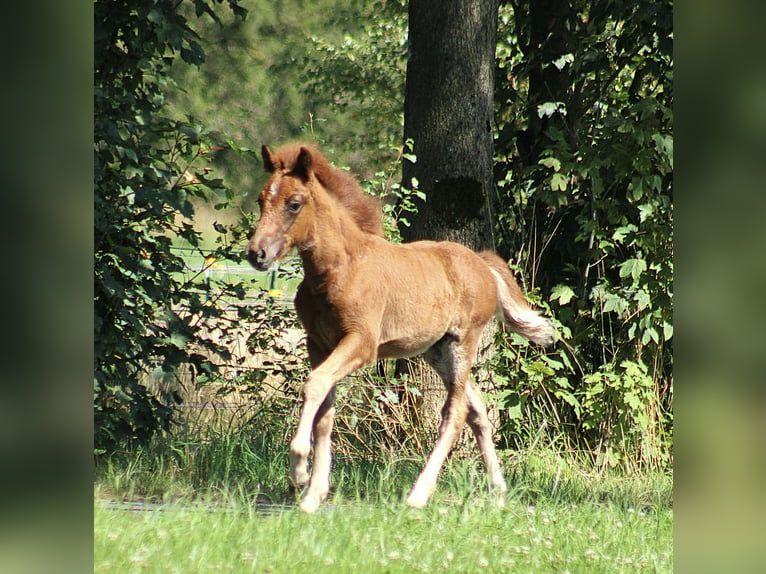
(448, 115)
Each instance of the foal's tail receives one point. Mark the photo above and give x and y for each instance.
(513, 308)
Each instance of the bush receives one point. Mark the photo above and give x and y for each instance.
(148, 169)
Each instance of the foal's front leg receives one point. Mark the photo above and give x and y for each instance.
(299, 474)
(319, 485)
(353, 351)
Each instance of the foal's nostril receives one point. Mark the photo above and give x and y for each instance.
(256, 257)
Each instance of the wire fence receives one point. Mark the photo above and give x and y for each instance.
(231, 390)
(203, 264)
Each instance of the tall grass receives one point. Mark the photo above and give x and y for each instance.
(212, 466)
(246, 463)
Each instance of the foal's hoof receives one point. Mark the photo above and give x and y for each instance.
(416, 501)
(498, 493)
(309, 504)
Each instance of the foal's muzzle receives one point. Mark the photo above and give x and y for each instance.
(262, 252)
(257, 259)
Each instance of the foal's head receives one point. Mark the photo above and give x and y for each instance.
(286, 207)
(288, 201)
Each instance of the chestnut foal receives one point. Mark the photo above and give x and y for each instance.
(364, 298)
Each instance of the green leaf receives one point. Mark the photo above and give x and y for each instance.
(632, 400)
(558, 182)
(562, 293)
(571, 400)
(514, 412)
(621, 233)
(547, 109)
(554, 364)
(180, 340)
(538, 368)
(642, 299)
(615, 303)
(632, 268)
(636, 189)
(194, 54)
(650, 334)
(155, 16)
(563, 60)
(664, 145)
(551, 162)
(645, 211)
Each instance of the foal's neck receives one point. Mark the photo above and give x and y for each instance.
(335, 241)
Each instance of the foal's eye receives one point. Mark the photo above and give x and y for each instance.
(294, 206)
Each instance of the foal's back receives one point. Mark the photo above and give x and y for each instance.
(429, 289)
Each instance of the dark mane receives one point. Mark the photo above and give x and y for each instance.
(365, 209)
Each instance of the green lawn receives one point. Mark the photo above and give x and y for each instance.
(560, 515)
(358, 537)
(556, 519)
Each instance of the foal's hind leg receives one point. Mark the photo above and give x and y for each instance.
(453, 418)
(482, 430)
(452, 360)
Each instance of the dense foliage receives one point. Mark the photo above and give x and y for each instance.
(584, 172)
(327, 70)
(147, 170)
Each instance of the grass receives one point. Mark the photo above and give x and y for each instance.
(222, 506)
(354, 536)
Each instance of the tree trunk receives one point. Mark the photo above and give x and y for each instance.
(448, 114)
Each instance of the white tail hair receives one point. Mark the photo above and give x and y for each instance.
(512, 307)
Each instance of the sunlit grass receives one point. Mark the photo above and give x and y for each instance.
(360, 537)
(223, 505)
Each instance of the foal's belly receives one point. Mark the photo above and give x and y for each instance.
(406, 347)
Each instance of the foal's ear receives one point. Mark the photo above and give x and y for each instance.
(303, 164)
(268, 159)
